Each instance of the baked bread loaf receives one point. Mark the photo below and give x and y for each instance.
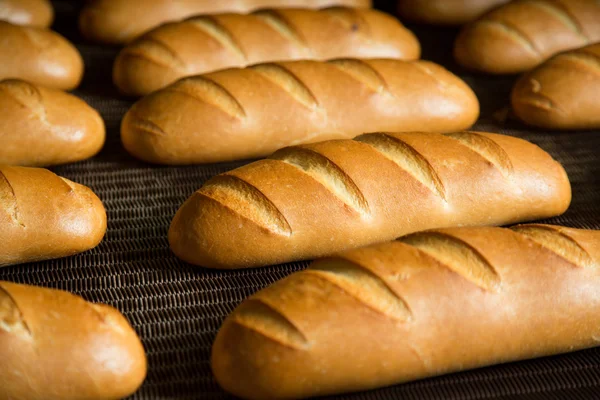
(209, 43)
(444, 12)
(37, 13)
(40, 56)
(248, 113)
(404, 310)
(119, 21)
(562, 93)
(524, 33)
(314, 200)
(44, 216)
(41, 127)
(57, 346)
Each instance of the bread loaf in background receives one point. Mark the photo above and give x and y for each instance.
(429, 304)
(445, 12)
(39, 56)
(562, 93)
(57, 346)
(248, 113)
(42, 127)
(524, 33)
(120, 21)
(38, 13)
(314, 200)
(209, 43)
(44, 216)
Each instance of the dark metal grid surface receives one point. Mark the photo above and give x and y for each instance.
(177, 309)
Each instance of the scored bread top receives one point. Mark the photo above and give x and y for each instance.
(57, 346)
(119, 21)
(428, 304)
(313, 200)
(524, 33)
(563, 92)
(251, 112)
(44, 216)
(205, 43)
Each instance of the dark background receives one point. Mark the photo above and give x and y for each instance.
(177, 309)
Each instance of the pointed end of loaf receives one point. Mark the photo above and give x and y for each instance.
(213, 229)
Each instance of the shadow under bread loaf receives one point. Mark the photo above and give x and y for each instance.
(120, 21)
(57, 346)
(428, 304)
(44, 216)
(444, 12)
(562, 93)
(251, 112)
(43, 127)
(38, 13)
(524, 33)
(39, 56)
(204, 44)
(314, 200)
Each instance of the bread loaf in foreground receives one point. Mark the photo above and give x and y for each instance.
(314, 200)
(37, 13)
(44, 216)
(42, 127)
(428, 304)
(204, 44)
(120, 21)
(444, 12)
(40, 56)
(562, 93)
(251, 112)
(524, 33)
(57, 346)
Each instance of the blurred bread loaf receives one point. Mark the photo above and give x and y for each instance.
(204, 44)
(119, 21)
(40, 56)
(38, 13)
(522, 34)
(562, 93)
(445, 12)
(43, 127)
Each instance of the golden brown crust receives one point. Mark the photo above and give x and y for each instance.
(118, 21)
(204, 44)
(314, 200)
(44, 216)
(55, 345)
(405, 310)
(444, 12)
(524, 33)
(38, 13)
(39, 56)
(562, 93)
(43, 127)
(251, 112)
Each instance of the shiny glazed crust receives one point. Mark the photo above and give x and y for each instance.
(43, 127)
(562, 93)
(119, 21)
(57, 346)
(315, 200)
(204, 44)
(428, 304)
(39, 56)
(524, 33)
(251, 112)
(445, 12)
(44, 216)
